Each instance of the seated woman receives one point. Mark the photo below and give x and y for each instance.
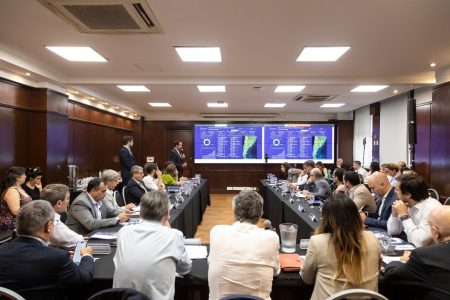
(13, 197)
(324, 170)
(341, 255)
(33, 185)
(285, 170)
(243, 258)
(170, 176)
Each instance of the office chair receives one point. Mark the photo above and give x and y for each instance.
(6, 236)
(124, 198)
(9, 294)
(357, 294)
(119, 293)
(447, 201)
(242, 297)
(433, 194)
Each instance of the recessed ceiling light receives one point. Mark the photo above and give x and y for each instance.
(289, 88)
(395, 91)
(433, 64)
(199, 54)
(28, 73)
(329, 105)
(217, 104)
(133, 88)
(368, 88)
(321, 53)
(211, 88)
(160, 104)
(273, 105)
(78, 53)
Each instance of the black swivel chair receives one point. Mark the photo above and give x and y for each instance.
(119, 294)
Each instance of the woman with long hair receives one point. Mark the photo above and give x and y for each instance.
(13, 197)
(341, 255)
(170, 176)
(285, 170)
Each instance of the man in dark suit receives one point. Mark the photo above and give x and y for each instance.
(177, 156)
(88, 213)
(126, 159)
(135, 187)
(380, 186)
(34, 270)
(427, 271)
(318, 187)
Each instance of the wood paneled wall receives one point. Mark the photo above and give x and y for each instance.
(40, 127)
(423, 129)
(220, 176)
(440, 137)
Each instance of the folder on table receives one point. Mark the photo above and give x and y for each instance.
(290, 262)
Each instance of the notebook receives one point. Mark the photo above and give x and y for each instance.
(290, 262)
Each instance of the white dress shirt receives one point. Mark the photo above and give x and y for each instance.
(62, 236)
(417, 228)
(243, 260)
(361, 171)
(150, 183)
(147, 256)
(302, 180)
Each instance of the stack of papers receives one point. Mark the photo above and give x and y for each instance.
(405, 247)
(197, 252)
(106, 235)
(100, 248)
(388, 259)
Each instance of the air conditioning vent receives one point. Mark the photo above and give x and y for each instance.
(106, 16)
(239, 116)
(313, 98)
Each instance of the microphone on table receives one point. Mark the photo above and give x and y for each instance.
(268, 225)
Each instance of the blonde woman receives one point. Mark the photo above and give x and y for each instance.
(341, 255)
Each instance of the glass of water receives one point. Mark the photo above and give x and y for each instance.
(385, 243)
(288, 233)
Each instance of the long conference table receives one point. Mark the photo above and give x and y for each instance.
(188, 215)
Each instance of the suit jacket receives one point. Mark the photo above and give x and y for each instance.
(363, 198)
(375, 220)
(126, 162)
(321, 189)
(134, 192)
(82, 216)
(320, 266)
(426, 274)
(178, 162)
(36, 271)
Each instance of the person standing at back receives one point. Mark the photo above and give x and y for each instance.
(177, 156)
(126, 159)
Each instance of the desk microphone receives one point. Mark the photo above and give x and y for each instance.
(267, 225)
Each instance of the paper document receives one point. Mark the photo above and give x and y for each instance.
(105, 236)
(388, 259)
(197, 252)
(405, 247)
(192, 241)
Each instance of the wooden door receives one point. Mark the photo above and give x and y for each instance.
(185, 136)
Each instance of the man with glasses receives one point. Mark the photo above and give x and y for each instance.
(135, 186)
(87, 212)
(317, 186)
(34, 270)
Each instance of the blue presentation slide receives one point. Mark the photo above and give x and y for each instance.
(296, 143)
(228, 143)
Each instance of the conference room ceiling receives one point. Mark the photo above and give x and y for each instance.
(392, 43)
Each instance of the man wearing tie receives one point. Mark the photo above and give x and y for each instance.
(135, 186)
(126, 159)
(177, 156)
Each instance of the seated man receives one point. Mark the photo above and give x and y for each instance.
(58, 195)
(148, 254)
(87, 212)
(359, 169)
(243, 258)
(34, 270)
(380, 186)
(358, 192)
(111, 179)
(135, 187)
(410, 213)
(318, 187)
(303, 177)
(393, 173)
(427, 271)
(152, 180)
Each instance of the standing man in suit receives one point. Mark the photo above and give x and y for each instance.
(358, 192)
(427, 270)
(126, 159)
(88, 213)
(135, 187)
(177, 156)
(380, 186)
(34, 270)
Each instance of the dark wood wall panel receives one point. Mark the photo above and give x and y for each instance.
(440, 137)
(423, 123)
(345, 141)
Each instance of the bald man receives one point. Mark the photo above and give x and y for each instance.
(427, 271)
(380, 186)
(317, 186)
